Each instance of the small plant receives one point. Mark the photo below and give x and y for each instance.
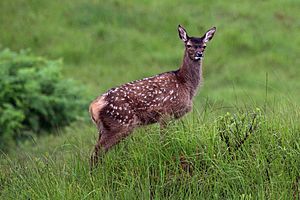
(235, 129)
(34, 96)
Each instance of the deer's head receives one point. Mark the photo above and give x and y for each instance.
(195, 46)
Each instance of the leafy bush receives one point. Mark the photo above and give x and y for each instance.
(235, 129)
(34, 96)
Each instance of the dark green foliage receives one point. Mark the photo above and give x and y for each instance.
(34, 96)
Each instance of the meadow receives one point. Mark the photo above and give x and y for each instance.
(242, 140)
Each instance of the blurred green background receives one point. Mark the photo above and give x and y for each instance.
(107, 43)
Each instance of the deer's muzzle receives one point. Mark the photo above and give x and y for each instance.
(198, 55)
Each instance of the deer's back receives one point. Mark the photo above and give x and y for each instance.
(146, 101)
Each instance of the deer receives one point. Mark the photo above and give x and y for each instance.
(155, 99)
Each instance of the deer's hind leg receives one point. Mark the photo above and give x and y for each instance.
(95, 110)
(97, 152)
(110, 139)
(107, 139)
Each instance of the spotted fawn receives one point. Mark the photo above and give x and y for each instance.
(150, 100)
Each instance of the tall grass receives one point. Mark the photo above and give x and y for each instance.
(192, 161)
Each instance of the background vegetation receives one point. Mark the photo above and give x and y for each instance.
(253, 61)
(34, 97)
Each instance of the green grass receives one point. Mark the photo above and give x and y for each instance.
(253, 61)
(191, 161)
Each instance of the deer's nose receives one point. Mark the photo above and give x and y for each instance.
(198, 54)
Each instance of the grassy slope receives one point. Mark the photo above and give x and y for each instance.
(108, 43)
(111, 42)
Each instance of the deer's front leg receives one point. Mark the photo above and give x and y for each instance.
(163, 125)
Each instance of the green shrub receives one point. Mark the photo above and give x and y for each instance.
(34, 96)
(235, 129)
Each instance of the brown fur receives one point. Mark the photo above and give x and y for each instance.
(95, 107)
(155, 99)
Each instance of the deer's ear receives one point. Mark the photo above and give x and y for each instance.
(182, 33)
(209, 34)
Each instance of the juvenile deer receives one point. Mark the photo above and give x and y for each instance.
(150, 100)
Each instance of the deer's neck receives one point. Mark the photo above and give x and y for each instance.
(190, 73)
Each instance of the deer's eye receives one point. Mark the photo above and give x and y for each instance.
(189, 46)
